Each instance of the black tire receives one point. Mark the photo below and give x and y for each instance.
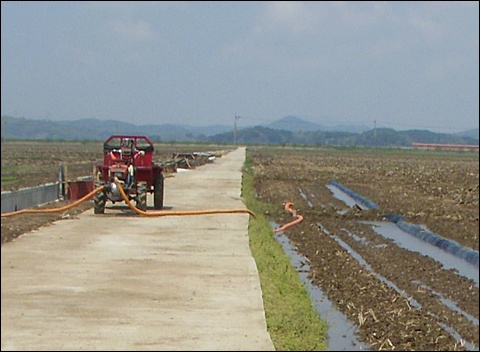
(158, 192)
(141, 199)
(99, 200)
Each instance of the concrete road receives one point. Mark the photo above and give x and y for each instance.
(121, 281)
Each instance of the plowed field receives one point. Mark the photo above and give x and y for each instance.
(439, 190)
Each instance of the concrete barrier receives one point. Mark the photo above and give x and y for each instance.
(29, 197)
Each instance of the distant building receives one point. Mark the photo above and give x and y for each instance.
(445, 146)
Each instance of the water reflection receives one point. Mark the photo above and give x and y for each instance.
(341, 332)
(412, 243)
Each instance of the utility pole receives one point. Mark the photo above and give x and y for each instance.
(375, 133)
(235, 130)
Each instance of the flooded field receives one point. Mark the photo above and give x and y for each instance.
(397, 290)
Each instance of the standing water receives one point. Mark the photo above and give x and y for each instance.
(341, 332)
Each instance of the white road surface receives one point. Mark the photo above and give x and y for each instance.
(121, 281)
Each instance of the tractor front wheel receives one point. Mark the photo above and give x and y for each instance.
(158, 192)
(141, 200)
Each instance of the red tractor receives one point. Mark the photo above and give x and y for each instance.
(128, 162)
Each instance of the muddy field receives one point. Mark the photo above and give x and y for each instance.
(439, 190)
(436, 189)
(33, 163)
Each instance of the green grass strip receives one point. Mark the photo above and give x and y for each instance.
(292, 322)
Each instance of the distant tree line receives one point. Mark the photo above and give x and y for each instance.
(384, 137)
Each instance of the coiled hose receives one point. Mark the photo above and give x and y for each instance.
(134, 208)
(298, 217)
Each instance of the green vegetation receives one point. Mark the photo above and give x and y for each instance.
(8, 181)
(10, 175)
(292, 322)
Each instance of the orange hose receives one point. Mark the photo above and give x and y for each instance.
(294, 222)
(131, 206)
(55, 210)
(180, 213)
(288, 206)
(299, 218)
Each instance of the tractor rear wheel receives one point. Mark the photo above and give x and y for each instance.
(141, 200)
(158, 192)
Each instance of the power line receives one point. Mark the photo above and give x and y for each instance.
(235, 130)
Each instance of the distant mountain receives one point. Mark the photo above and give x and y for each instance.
(209, 130)
(94, 129)
(349, 128)
(469, 133)
(288, 130)
(296, 124)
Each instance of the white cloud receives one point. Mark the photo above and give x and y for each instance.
(388, 46)
(136, 32)
(292, 15)
(86, 56)
(428, 28)
(361, 13)
(443, 67)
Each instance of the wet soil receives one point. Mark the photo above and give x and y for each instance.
(436, 189)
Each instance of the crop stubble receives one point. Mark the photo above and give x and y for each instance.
(431, 188)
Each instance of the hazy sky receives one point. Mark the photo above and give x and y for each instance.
(404, 65)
